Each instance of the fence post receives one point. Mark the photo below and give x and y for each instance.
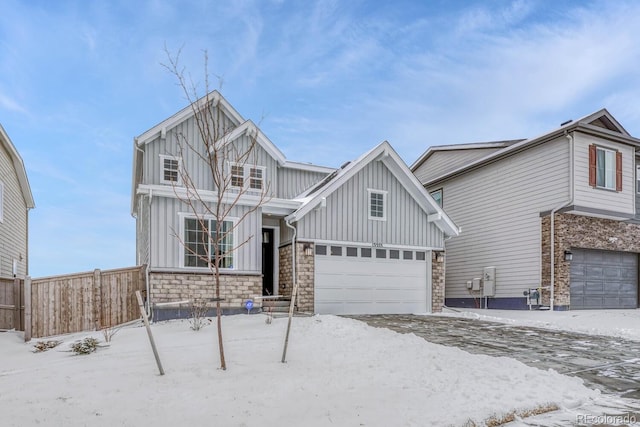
(97, 299)
(27, 308)
(17, 305)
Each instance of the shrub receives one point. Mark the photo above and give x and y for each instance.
(86, 346)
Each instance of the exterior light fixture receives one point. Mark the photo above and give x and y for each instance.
(307, 249)
(568, 255)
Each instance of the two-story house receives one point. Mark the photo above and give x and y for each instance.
(15, 202)
(364, 238)
(558, 213)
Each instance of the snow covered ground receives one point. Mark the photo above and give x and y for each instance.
(339, 372)
(616, 323)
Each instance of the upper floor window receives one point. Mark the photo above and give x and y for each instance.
(638, 178)
(377, 204)
(605, 168)
(170, 167)
(250, 175)
(437, 196)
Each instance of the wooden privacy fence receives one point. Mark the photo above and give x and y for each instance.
(11, 304)
(81, 302)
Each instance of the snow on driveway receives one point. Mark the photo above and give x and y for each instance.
(339, 372)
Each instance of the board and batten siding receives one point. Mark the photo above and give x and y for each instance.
(196, 167)
(166, 216)
(346, 215)
(293, 181)
(142, 230)
(597, 198)
(13, 228)
(498, 209)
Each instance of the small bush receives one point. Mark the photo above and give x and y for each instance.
(197, 315)
(108, 333)
(86, 346)
(41, 346)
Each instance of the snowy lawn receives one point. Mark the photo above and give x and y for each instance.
(616, 323)
(340, 372)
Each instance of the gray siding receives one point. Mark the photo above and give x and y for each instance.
(441, 162)
(637, 165)
(345, 217)
(142, 230)
(590, 197)
(13, 228)
(166, 226)
(292, 182)
(498, 209)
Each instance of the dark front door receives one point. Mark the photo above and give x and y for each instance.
(267, 261)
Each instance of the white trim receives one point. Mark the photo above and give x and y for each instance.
(276, 257)
(253, 131)
(1, 201)
(370, 245)
(164, 157)
(383, 193)
(182, 216)
(272, 205)
(638, 179)
(429, 268)
(18, 164)
(308, 167)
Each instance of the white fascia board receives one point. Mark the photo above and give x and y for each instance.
(285, 205)
(250, 127)
(308, 167)
(18, 165)
(186, 112)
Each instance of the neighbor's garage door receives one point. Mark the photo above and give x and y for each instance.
(364, 280)
(603, 279)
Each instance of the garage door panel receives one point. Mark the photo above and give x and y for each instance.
(360, 285)
(603, 279)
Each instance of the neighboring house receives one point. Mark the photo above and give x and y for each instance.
(368, 237)
(571, 195)
(15, 201)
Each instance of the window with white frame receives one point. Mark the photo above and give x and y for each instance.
(237, 176)
(638, 178)
(200, 241)
(170, 169)
(247, 175)
(437, 196)
(377, 204)
(605, 168)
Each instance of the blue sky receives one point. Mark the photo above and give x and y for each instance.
(327, 80)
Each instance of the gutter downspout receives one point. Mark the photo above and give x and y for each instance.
(553, 229)
(294, 291)
(149, 313)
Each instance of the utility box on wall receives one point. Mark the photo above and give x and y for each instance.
(489, 281)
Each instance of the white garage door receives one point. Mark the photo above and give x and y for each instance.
(365, 280)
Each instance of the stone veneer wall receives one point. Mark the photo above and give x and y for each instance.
(578, 231)
(437, 281)
(176, 286)
(305, 273)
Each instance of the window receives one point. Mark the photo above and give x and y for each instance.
(365, 252)
(407, 255)
(381, 253)
(638, 178)
(394, 254)
(336, 250)
(199, 249)
(351, 251)
(255, 180)
(250, 175)
(321, 250)
(377, 204)
(237, 176)
(437, 196)
(605, 168)
(170, 169)
(420, 256)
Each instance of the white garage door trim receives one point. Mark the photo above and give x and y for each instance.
(347, 281)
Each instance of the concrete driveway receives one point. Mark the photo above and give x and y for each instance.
(606, 363)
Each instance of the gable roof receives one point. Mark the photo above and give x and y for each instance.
(212, 97)
(600, 123)
(18, 164)
(385, 153)
(249, 128)
(447, 157)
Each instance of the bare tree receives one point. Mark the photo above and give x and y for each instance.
(224, 160)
